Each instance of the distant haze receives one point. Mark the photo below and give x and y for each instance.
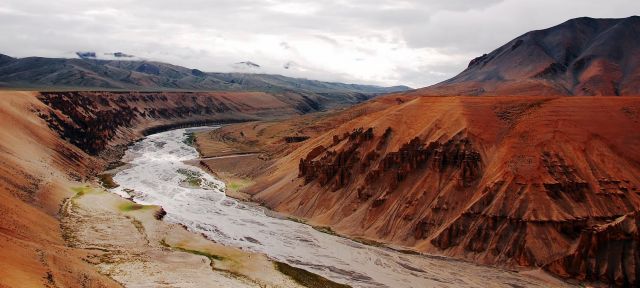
(385, 42)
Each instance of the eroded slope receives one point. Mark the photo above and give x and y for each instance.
(52, 142)
(507, 181)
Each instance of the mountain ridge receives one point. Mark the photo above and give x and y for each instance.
(582, 56)
(39, 73)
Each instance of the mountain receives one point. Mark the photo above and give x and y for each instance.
(583, 56)
(509, 181)
(91, 74)
(530, 179)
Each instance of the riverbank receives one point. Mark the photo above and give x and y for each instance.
(128, 243)
(532, 277)
(53, 142)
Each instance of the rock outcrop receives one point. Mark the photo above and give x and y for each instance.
(516, 182)
(609, 252)
(94, 120)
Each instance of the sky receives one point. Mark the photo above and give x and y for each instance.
(382, 42)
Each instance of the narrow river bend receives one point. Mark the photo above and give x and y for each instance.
(157, 175)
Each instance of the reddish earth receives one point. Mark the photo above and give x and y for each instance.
(36, 171)
(54, 141)
(542, 181)
(548, 182)
(583, 56)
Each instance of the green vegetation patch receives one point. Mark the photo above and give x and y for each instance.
(194, 179)
(195, 182)
(237, 185)
(189, 138)
(107, 181)
(81, 190)
(211, 257)
(233, 185)
(130, 206)
(201, 253)
(306, 278)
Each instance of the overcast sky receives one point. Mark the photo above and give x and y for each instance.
(387, 42)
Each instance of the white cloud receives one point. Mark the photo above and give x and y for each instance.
(387, 42)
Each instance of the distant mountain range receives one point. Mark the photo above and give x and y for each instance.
(582, 56)
(40, 73)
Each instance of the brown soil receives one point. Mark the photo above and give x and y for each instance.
(134, 248)
(514, 182)
(57, 140)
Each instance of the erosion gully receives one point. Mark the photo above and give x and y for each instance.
(158, 175)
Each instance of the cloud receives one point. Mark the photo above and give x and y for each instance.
(388, 42)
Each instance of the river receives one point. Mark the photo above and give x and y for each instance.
(158, 175)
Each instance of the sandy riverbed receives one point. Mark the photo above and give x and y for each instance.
(125, 241)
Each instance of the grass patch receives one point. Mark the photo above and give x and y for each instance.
(306, 278)
(189, 138)
(81, 190)
(130, 206)
(106, 180)
(237, 185)
(201, 253)
(211, 257)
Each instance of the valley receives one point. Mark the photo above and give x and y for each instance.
(108, 240)
(472, 178)
(56, 143)
(158, 176)
(521, 171)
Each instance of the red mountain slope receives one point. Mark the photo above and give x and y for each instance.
(498, 180)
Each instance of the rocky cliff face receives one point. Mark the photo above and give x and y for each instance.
(94, 120)
(363, 155)
(502, 181)
(608, 251)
